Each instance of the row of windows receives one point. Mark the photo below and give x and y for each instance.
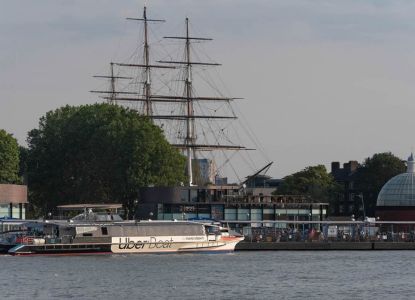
(243, 214)
(13, 212)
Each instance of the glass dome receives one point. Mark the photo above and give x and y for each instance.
(400, 190)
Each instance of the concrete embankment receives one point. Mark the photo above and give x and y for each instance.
(294, 246)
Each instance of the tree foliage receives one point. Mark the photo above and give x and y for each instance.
(372, 175)
(9, 158)
(314, 182)
(98, 153)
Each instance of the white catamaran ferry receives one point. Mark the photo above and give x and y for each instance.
(94, 233)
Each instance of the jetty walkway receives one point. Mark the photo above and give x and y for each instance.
(328, 235)
(307, 246)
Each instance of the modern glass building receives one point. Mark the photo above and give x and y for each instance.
(227, 203)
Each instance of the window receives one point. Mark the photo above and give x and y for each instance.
(104, 230)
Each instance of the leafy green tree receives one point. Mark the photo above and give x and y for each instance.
(314, 182)
(9, 158)
(98, 153)
(372, 175)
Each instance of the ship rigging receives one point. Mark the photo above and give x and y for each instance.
(180, 112)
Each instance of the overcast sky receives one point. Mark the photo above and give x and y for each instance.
(323, 80)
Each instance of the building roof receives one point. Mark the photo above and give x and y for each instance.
(85, 206)
(347, 173)
(13, 193)
(400, 190)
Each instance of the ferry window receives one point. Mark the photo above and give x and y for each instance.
(87, 234)
(212, 229)
(104, 230)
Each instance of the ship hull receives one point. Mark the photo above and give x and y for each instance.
(124, 248)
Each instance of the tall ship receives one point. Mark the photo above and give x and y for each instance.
(174, 82)
(106, 233)
(179, 94)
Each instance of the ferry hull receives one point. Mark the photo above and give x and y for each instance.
(110, 248)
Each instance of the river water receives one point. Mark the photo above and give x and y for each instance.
(239, 275)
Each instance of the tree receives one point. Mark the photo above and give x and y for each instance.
(372, 175)
(314, 182)
(9, 158)
(98, 153)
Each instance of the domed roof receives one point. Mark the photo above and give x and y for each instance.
(400, 190)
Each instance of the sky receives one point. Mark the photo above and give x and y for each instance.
(322, 80)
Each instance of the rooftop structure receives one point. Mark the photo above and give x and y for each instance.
(396, 200)
(229, 203)
(13, 198)
(400, 190)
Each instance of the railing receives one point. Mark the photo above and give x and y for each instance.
(265, 235)
(324, 231)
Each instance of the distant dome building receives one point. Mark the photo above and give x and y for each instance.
(396, 200)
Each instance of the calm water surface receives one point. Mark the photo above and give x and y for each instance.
(240, 275)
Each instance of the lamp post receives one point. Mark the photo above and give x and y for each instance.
(135, 209)
(310, 228)
(309, 220)
(249, 224)
(363, 205)
(278, 218)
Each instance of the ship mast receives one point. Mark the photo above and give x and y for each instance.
(147, 110)
(190, 145)
(112, 91)
(147, 84)
(190, 124)
(113, 95)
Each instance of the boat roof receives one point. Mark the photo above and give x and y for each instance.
(82, 223)
(84, 206)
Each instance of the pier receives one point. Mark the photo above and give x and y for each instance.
(306, 246)
(328, 235)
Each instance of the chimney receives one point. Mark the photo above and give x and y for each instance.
(353, 165)
(335, 165)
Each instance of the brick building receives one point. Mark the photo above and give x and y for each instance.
(351, 201)
(13, 199)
